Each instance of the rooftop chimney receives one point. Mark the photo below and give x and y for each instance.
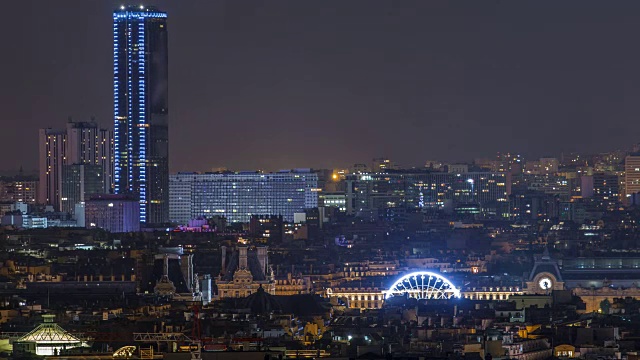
(223, 251)
(165, 267)
(243, 257)
(263, 258)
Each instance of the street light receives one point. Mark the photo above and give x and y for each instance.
(470, 181)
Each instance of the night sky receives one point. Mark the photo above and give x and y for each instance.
(282, 84)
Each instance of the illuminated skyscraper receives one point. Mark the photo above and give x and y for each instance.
(140, 91)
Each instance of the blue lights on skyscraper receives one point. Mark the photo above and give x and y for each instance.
(140, 90)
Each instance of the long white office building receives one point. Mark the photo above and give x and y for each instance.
(237, 196)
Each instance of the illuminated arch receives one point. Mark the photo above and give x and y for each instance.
(125, 352)
(423, 285)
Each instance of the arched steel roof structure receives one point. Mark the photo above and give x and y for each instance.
(423, 285)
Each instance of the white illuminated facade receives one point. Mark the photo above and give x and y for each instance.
(424, 285)
(358, 297)
(237, 196)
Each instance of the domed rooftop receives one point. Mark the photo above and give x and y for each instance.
(262, 302)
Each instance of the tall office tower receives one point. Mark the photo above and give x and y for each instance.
(53, 152)
(140, 92)
(81, 143)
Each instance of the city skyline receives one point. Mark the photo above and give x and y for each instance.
(451, 81)
(357, 179)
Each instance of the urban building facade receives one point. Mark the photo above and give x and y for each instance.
(79, 181)
(632, 178)
(335, 200)
(244, 271)
(606, 189)
(53, 149)
(114, 213)
(23, 190)
(88, 144)
(140, 91)
(423, 190)
(266, 228)
(238, 196)
(544, 166)
(80, 143)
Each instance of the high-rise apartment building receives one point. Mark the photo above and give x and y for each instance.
(81, 143)
(88, 144)
(606, 189)
(140, 91)
(238, 196)
(53, 155)
(632, 178)
(18, 189)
